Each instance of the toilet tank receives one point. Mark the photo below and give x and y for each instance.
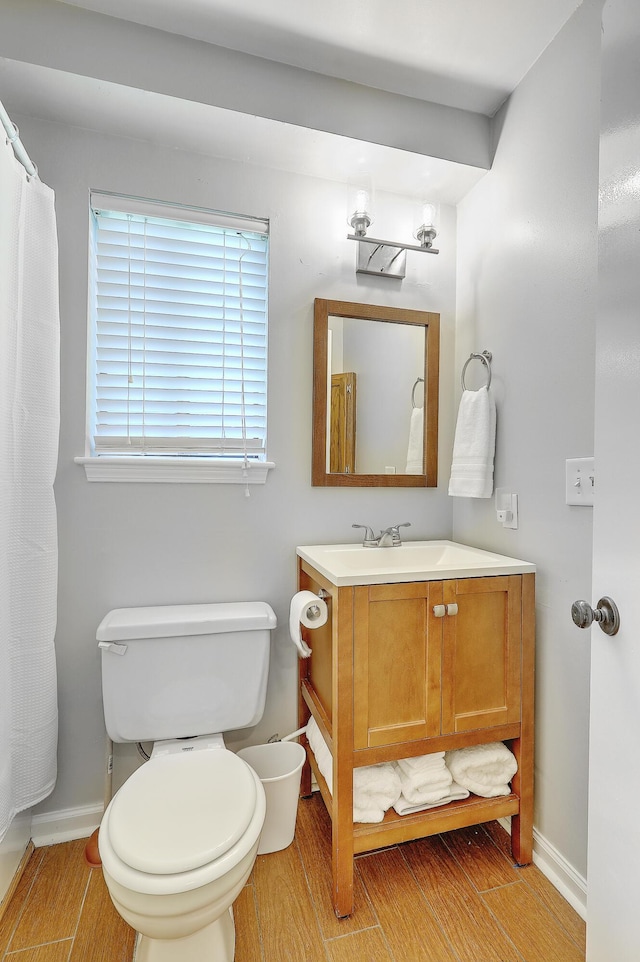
(175, 671)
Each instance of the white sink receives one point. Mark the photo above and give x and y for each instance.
(351, 564)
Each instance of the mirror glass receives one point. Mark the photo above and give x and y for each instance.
(375, 410)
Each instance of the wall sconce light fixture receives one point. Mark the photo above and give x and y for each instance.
(383, 257)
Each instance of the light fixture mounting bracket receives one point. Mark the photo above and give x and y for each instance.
(384, 258)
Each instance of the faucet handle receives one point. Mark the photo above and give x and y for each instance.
(369, 540)
(396, 533)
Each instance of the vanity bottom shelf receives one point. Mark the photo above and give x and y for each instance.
(395, 828)
(354, 838)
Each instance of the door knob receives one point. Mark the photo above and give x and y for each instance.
(606, 615)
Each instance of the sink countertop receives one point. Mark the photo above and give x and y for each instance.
(352, 564)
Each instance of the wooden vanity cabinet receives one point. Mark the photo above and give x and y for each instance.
(406, 669)
(435, 658)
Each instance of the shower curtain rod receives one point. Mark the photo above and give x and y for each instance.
(16, 143)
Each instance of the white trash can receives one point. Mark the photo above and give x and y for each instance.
(278, 765)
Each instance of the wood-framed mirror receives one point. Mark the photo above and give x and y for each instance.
(375, 395)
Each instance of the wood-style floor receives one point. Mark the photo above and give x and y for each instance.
(451, 898)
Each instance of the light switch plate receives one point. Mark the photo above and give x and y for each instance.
(580, 480)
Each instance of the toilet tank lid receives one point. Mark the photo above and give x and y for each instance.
(167, 621)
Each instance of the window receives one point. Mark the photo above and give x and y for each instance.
(178, 346)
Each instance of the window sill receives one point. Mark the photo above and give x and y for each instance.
(175, 470)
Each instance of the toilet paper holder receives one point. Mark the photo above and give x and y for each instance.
(313, 610)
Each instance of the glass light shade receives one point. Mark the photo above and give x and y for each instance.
(360, 204)
(428, 218)
(429, 215)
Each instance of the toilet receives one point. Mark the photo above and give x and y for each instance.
(179, 839)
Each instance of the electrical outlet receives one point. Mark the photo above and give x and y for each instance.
(506, 508)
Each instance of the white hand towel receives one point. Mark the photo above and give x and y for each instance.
(434, 761)
(415, 459)
(485, 770)
(474, 446)
(423, 777)
(321, 752)
(456, 793)
(428, 785)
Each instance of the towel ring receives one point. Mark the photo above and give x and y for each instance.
(419, 380)
(486, 358)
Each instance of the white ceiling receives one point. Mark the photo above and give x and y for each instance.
(462, 53)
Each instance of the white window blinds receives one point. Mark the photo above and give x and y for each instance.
(180, 332)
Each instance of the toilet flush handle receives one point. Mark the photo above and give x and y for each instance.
(112, 646)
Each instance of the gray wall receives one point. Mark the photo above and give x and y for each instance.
(140, 544)
(527, 279)
(526, 283)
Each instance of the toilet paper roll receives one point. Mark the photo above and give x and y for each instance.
(309, 610)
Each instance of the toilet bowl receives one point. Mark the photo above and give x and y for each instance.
(178, 842)
(179, 839)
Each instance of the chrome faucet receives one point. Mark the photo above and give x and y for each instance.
(388, 538)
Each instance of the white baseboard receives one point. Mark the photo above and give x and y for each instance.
(66, 825)
(12, 850)
(562, 875)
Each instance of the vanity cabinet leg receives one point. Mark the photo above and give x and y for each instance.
(522, 823)
(342, 875)
(522, 839)
(342, 840)
(522, 748)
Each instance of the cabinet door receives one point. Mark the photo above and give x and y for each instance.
(397, 663)
(481, 653)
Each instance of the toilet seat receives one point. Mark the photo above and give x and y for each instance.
(181, 821)
(182, 811)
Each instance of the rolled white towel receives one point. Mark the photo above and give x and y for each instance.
(485, 770)
(361, 813)
(375, 787)
(321, 752)
(456, 793)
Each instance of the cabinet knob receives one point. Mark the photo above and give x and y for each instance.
(441, 610)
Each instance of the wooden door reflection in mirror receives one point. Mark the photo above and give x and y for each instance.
(375, 395)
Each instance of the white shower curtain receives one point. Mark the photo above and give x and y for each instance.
(29, 422)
